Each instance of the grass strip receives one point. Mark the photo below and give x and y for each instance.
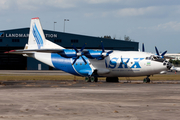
(12, 77)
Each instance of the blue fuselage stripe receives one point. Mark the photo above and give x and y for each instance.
(62, 63)
(65, 64)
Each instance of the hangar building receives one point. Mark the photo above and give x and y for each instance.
(17, 38)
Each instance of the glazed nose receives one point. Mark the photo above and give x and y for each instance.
(169, 65)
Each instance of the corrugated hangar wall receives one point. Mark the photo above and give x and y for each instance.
(17, 38)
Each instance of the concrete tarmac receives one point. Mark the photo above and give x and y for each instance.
(46, 72)
(78, 100)
(33, 72)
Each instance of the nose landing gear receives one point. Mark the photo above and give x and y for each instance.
(147, 79)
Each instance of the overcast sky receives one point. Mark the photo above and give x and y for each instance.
(153, 22)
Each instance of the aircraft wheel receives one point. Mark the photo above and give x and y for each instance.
(95, 79)
(87, 79)
(146, 80)
(92, 79)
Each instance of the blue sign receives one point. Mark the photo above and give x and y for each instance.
(1, 34)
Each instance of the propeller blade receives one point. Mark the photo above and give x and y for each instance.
(164, 53)
(143, 49)
(75, 60)
(83, 47)
(84, 60)
(157, 52)
(102, 46)
(75, 48)
(109, 52)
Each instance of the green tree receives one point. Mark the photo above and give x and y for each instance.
(175, 62)
(127, 38)
(108, 37)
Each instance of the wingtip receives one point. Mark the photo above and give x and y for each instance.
(6, 52)
(9, 51)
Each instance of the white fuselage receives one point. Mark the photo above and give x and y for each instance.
(137, 65)
(117, 64)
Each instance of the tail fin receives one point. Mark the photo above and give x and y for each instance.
(37, 38)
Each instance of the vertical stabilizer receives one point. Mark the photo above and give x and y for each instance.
(37, 38)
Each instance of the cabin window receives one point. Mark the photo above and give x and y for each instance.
(15, 40)
(57, 40)
(148, 58)
(74, 41)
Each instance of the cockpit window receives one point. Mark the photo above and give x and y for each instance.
(153, 57)
(148, 58)
(156, 58)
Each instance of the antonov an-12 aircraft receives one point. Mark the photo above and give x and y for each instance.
(92, 63)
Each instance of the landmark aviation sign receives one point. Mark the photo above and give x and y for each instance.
(15, 35)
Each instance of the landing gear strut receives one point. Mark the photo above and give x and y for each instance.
(112, 79)
(147, 79)
(91, 79)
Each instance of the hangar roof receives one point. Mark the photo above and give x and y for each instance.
(19, 37)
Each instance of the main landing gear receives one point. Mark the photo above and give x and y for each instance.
(112, 79)
(95, 79)
(147, 79)
(91, 79)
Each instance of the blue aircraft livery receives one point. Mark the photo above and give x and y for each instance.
(65, 64)
(113, 63)
(37, 36)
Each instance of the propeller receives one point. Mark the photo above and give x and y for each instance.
(143, 49)
(79, 54)
(104, 54)
(162, 55)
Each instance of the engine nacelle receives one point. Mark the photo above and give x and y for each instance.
(93, 54)
(68, 53)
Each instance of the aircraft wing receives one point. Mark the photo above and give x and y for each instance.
(169, 57)
(22, 51)
(26, 51)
